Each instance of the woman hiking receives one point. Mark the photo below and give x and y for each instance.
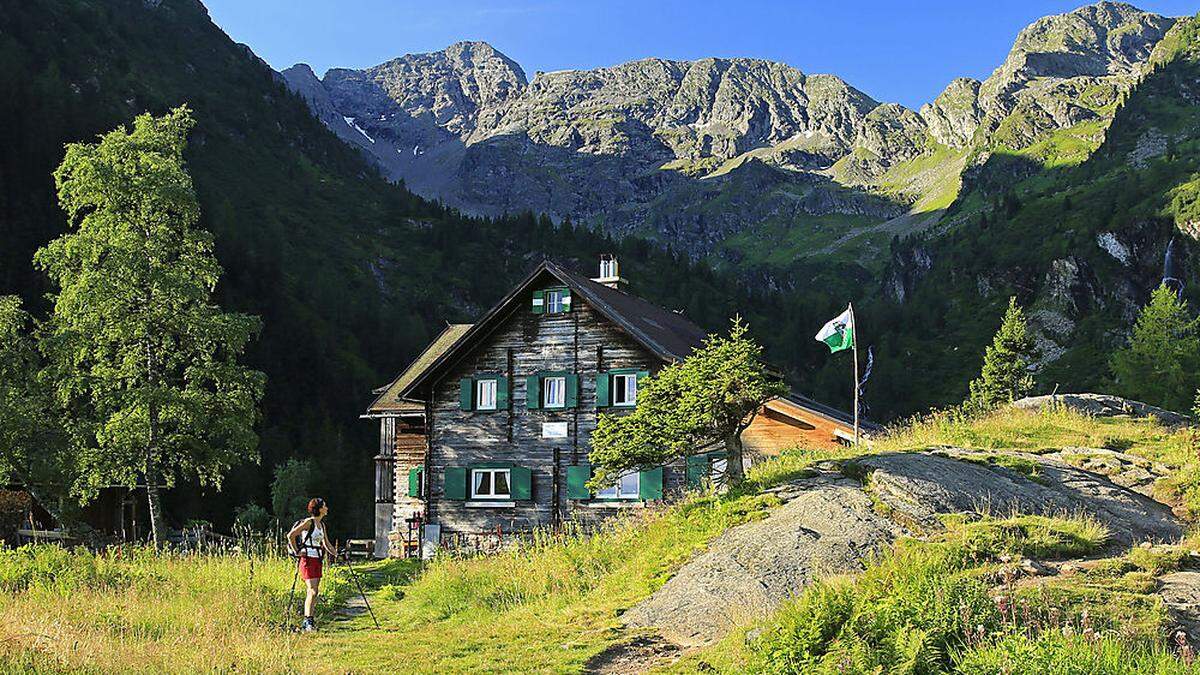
(307, 542)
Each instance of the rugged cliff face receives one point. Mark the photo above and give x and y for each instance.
(656, 147)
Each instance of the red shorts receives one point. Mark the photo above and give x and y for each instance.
(310, 568)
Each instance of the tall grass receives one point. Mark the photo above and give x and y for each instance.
(917, 606)
(135, 609)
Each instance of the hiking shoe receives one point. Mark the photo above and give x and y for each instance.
(309, 625)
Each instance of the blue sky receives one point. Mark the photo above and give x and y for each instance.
(892, 50)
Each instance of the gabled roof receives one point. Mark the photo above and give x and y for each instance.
(668, 335)
(389, 396)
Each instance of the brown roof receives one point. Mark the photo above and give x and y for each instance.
(389, 396)
(667, 334)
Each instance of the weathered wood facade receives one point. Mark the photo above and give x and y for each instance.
(579, 343)
(588, 338)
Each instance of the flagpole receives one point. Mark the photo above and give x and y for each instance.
(854, 343)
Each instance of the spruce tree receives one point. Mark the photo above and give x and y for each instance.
(1159, 365)
(1005, 376)
(145, 365)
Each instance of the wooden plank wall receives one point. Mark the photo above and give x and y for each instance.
(579, 341)
(782, 425)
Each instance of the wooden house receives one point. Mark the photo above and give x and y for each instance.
(488, 431)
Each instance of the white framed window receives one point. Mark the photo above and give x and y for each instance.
(490, 484)
(627, 487)
(554, 392)
(485, 395)
(554, 301)
(624, 389)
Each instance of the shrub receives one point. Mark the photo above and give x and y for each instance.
(252, 517)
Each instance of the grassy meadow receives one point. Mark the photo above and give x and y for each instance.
(948, 603)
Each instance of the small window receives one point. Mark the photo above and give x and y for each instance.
(627, 487)
(485, 395)
(624, 389)
(490, 484)
(555, 392)
(554, 301)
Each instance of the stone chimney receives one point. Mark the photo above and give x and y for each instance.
(610, 272)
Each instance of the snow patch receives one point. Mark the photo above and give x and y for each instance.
(1113, 246)
(350, 121)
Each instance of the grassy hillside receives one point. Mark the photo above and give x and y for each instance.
(553, 604)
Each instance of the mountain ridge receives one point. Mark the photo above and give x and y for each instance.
(611, 147)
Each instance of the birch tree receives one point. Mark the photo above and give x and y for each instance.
(145, 366)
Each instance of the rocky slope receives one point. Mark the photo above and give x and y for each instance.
(832, 523)
(660, 147)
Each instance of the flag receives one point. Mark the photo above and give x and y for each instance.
(839, 332)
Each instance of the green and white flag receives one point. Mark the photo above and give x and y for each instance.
(839, 332)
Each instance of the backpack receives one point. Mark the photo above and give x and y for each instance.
(312, 525)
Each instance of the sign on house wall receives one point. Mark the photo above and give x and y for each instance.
(554, 430)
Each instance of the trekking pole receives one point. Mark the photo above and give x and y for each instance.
(354, 576)
(287, 612)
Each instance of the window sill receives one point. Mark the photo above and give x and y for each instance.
(489, 504)
(614, 504)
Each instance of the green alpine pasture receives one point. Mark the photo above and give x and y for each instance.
(555, 602)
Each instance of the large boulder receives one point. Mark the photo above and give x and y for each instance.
(831, 523)
(825, 527)
(1103, 405)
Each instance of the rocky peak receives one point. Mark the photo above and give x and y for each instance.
(954, 114)
(1061, 70)
(450, 86)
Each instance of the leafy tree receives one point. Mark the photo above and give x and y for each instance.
(291, 489)
(252, 517)
(145, 365)
(31, 442)
(1005, 376)
(711, 396)
(1159, 365)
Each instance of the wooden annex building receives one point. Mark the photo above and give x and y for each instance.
(488, 431)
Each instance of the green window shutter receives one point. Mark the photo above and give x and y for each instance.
(603, 396)
(577, 478)
(466, 393)
(414, 481)
(650, 484)
(501, 393)
(566, 299)
(697, 469)
(571, 397)
(522, 483)
(533, 392)
(539, 302)
(456, 482)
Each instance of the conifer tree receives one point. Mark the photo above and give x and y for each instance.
(1005, 376)
(1159, 365)
(145, 365)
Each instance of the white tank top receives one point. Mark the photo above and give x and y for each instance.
(310, 547)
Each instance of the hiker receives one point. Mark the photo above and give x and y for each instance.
(307, 542)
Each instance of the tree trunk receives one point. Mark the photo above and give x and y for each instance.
(154, 502)
(734, 472)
